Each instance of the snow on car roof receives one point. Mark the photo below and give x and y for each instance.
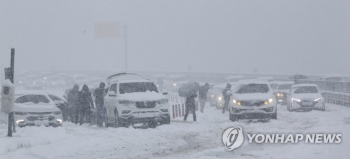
(304, 85)
(26, 92)
(134, 81)
(251, 81)
(283, 82)
(125, 77)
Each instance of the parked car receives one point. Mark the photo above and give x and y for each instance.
(282, 90)
(253, 99)
(305, 97)
(35, 108)
(215, 96)
(133, 99)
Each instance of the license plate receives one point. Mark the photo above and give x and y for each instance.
(41, 122)
(307, 103)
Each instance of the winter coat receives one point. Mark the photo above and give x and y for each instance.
(99, 96)
(73, 97)
(226, 95)
(85, 99)
(203, 90)
(190, 101)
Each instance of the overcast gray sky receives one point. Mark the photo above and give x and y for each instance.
(299, 36)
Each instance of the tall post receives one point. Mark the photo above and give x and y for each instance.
(11, 120)
(126, 47)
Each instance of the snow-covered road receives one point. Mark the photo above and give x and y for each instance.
(201, 139)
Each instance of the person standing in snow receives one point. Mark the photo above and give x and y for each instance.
(190, 106)
(227, 95)
(203, 90)
(73, 104)
(85, 104)
(99, 102)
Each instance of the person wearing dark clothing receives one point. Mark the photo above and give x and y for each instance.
(99, 102)
(226, 93)
(190, 106)
(85, 105)
(73, 104)
(203, 90)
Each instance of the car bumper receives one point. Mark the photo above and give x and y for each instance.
(253, 112)
(315, 106)
(145, 117)
(23, 121)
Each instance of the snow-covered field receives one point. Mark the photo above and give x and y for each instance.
(201, 139)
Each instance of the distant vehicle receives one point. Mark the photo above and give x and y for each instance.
(298, 76)
(174, 82)
(34, 82)
(233, 79)
(35, 108)
(305, 97)
(336, 78)
(133, 99)
(253, 99)
(282, 89)
(215, 96)
(55, 82)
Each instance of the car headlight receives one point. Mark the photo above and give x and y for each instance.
(57, 113)
(318, 99)
(20, 113)
(297, 100)
(236, 102)
(212, 95)
(163, 101)
(219, 98)
(268, 101)
(174, 84)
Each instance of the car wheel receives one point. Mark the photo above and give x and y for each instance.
(167, 120)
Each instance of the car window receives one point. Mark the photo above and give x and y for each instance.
(36, 99)
(113, 88)
(253, 88)
(308, 89)
(137, 87)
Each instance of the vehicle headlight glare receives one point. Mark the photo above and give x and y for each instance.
(174, 84)
(219, 98)
(270, 100)
(234, 101)
(317, 99)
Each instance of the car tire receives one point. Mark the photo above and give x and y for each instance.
(167, 120)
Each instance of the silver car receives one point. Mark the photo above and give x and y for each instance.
(35, 108)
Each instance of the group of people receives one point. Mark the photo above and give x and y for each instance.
(203, 90)
(81, 106)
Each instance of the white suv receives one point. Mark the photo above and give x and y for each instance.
(133, 99)
(253, 99)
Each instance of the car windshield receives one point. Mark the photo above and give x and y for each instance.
(137, 87)
(307, 89)
(284, 86)
(32, 99)
(253, 88)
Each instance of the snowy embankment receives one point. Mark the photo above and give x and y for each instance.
(201, 139)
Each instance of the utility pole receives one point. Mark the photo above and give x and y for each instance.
(126, 47)
(9, 74)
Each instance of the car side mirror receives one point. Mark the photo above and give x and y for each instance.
(112, 94)
(165, 92)
(58, 102)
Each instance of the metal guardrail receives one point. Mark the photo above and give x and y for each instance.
(333, 92)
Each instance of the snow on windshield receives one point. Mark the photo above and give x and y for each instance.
(32, 99)
(137, 87)
(253, 88)
(308, 89)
